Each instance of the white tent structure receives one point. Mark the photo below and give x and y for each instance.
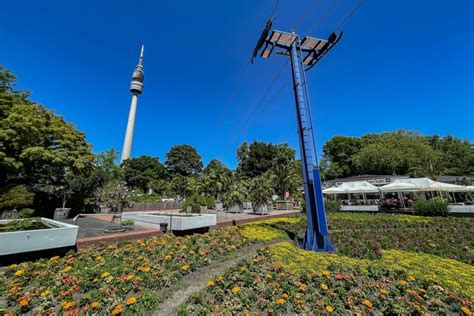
(334, 190)
(353, 187)
(421, 184)
(400, 186)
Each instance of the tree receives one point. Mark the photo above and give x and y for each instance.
(17, 196)
(160, 186)
(338, 152)
(261, 190)
(183, 160)
(139, 172)
(257, 158)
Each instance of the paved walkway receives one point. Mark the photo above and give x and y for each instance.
(92, 226)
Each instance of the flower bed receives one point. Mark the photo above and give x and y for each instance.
(266, 284)
(113, 278)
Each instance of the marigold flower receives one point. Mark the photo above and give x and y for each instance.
(268, 276)
(303, 287)
(184, 247)
(167, 257)
(210, 283)
(324, 287)
(185, 267)
(105, 274)
(411, 278)
(117, 310)
(130, 276)
(67, 268)
(145, 269)
(13, 266)
(403, 282)
(54, 258)
(235, 289)
(413, 292)
(329, 309)
(8, 314)
(326, 274)
(384, 291)
(466, 311)
(280, 301)
(24, 302)
(367, 303)
(67, 304)
(131, 300)
(19, 272)
(45, 293)
(285, 295)
(95, 304)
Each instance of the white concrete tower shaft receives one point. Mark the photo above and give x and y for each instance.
(136, 87)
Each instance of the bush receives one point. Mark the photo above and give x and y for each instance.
(196, 208)
(128, 222)
(211, 202)
(196, 199)
(332, 206)
(434, 207)
(27, 212)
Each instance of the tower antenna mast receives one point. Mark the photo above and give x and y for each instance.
(136, 87)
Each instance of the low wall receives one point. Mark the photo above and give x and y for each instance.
(155, 206)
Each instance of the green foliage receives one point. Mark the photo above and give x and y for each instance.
(195, 199)
(261, 190)
(210, 202)
(436, 206)
(128, 222)
(22, 224)
(196, 209)
(139, 172)
(17, 196)
(145, 198)
(236, 194)
(332, 206)
(183, 160)
(160, 187)
(399, 152)
(27, 212)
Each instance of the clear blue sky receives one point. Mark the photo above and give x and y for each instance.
(401, 64)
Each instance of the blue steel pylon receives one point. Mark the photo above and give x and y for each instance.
(316, 237)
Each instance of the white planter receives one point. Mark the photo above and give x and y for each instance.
(61, 213)
(247, 205)
(219, 206)
(235, 208)
(175, 221)
(461, 209)
(59, 235)
(260, 209)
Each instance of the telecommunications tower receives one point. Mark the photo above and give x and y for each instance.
(136, 87)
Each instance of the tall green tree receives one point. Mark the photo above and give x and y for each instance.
(183, 160)
(338, 154)
(139, 172)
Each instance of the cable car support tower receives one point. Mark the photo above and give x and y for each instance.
(304, 54)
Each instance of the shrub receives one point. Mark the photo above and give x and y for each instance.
(332, 206)
(196, 208)
(128, 222)
(211, 202)
(196, 199)
(27, 212)
(434, 207)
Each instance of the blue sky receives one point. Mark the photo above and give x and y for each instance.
(401, 64)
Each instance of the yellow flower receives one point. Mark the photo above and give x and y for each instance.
(244, 313)
(54, 258)
(24, 302)
(326, 274)
(45, 293)
(191, 252)
(67, 268)
(67, 305)
(367, 303)
(185, 267)
(384, 291)
(285, 295)
(117, 310)
(130, 276)
(403, 282)
(13, 266)
(411, 278)
(184, 247)
(105, 274)
(145, 269)
(303, 287)
(235, 289)
(167, 257)
(268, 276)
(324, 287)
(280, 301)
(466, 311)
(131, 300)
(19, 272)
(210, 283)
(95, 304)
(329, 309)
(413, 292)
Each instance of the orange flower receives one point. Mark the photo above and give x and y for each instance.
(24, 302)
(326, 274)
(403, 282)
(384, 291)
(95, 304)
(466, 311)
(303, 287)
(324, 287)
(285, 295)
(117, 310)
(367, 303)
(54, 258)
(8, 314)
(280, 301)
(131, 300)
(210, 283)
(235, 289)
(329, 309)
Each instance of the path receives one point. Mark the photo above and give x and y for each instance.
(198, 279)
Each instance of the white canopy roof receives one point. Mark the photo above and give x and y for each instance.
(469, 188)
(420, 184)
(353, 187)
